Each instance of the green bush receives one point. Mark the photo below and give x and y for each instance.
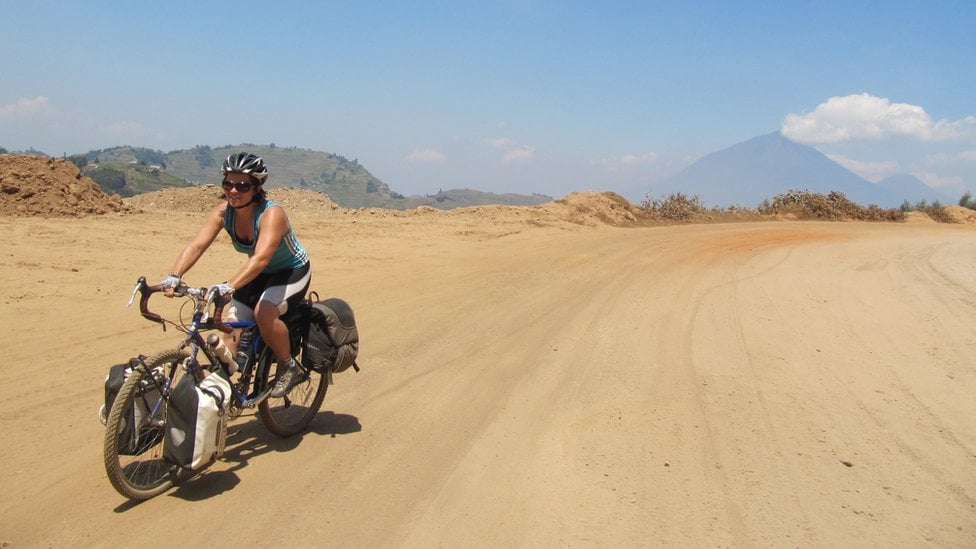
(967, 201)
(935, 210)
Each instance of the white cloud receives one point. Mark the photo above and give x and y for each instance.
(616, 163)
(514, 151)
(865, 116)
(872, 171)
(963, 157)
(521, 153)
(426, 156)
(24, 107)
(948, 184)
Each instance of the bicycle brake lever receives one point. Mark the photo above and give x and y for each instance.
(139, 285)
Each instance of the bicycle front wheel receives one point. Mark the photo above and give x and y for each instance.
(136, 426)
(292, 413)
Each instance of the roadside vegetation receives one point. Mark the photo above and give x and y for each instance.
(967, 201)
(793, 204)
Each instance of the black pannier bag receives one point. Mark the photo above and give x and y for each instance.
(136, 435)
(196, 421)
(332, 341)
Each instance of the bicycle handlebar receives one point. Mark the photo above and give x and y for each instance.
(207, 296)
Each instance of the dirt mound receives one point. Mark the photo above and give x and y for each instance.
(42, 186)
(597, 208)
(589, 209)
(961, 214)
(203, 198)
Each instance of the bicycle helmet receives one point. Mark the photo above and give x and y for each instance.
(246, 163)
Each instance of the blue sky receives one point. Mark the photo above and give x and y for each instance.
(506, 96)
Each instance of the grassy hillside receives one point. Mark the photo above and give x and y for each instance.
(125, 179)
(347, 182)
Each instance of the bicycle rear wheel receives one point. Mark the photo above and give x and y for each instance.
(292, 413)
(136, 426)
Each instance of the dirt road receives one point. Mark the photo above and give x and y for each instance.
(757, 384)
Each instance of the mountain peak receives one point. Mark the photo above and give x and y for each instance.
(760, 168)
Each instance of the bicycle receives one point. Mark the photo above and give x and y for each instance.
(142, 473)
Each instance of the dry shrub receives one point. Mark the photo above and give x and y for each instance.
(832, 207)
(938, 213)
(676, 207)
(875, 213)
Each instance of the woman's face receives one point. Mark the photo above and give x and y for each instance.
(238, 189)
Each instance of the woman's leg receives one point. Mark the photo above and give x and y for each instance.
(273, 329)
(284, 291)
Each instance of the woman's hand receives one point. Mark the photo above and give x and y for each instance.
(170, 283)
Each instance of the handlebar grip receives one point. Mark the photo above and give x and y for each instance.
(218, 320)
(146, 290)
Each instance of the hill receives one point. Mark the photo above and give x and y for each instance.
(131, 178)
(345, 181)
(747, 173)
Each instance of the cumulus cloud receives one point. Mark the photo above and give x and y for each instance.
(426, 156)
(962, 157)
(521, 153)
(24, 107)
(513, 151)
(949, 184)
(866, 116)
(872, 171)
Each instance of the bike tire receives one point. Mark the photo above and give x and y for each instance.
(145, 474)
(292, 413)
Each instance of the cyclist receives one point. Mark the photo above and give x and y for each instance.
(276, 274)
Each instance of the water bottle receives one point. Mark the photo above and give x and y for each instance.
(244, 346)
(223, 353)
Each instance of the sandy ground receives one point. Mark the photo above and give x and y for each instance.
(529, 384)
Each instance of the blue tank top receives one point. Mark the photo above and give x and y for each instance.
(290, 253)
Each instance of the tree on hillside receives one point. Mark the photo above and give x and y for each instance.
(967, 201)
(204, 156)
(109, 179)
(148, 156)
(79, 160)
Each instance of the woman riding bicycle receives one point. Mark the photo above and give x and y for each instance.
(277, 272)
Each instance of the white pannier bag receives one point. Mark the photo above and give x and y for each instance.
(195, 421)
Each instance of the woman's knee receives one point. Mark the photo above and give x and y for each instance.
(266, 312)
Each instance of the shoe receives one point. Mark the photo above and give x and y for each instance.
(286, 381)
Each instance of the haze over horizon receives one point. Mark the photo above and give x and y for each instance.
(509, 96)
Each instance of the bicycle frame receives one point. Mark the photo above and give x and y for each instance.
(144, 472)
(203, 321)
(248, 370)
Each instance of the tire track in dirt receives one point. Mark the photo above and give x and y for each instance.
(556, 386)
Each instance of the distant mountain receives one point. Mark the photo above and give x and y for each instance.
(346, 182)
(910, 188)
(747, 173)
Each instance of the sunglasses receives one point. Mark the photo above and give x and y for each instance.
(241, 187)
